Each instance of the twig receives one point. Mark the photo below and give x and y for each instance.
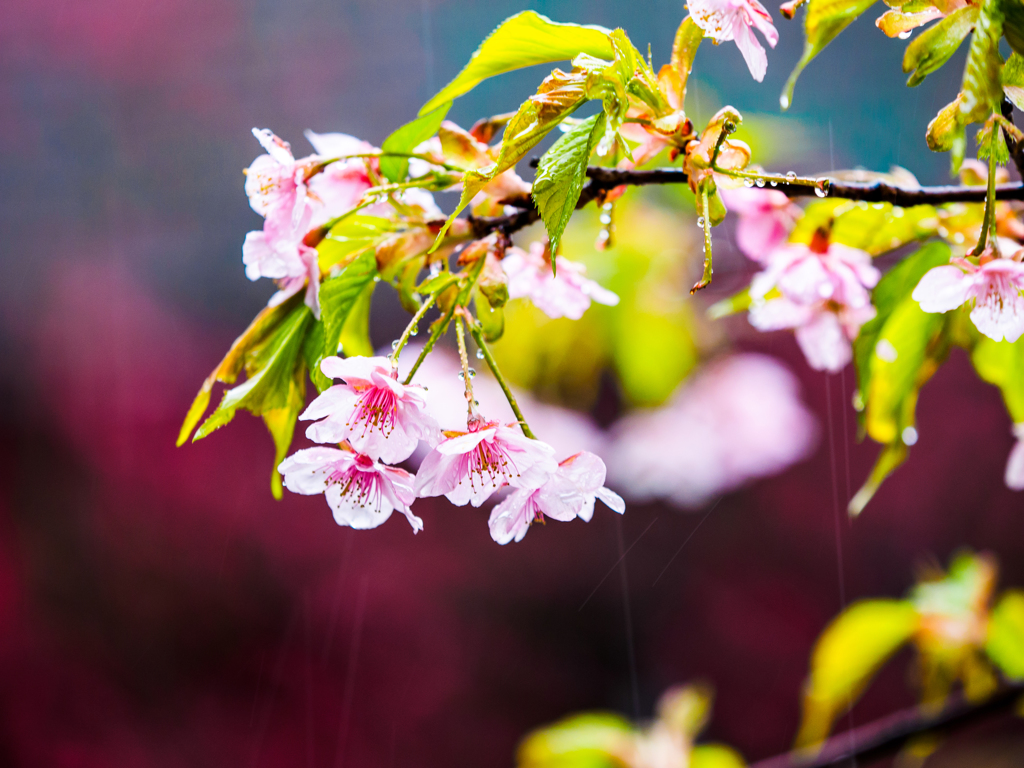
(605, 179)
(887, 736)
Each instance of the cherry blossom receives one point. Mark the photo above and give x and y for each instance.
(734, 20)
(1015, 463)
(824, 297)
(361, 492)
(766, 217)
(996, 288)
(569, 493)
(737, 419)
(276, 185)
(339, 187)
(467, 467)
(372, 410)
(293, 264)
(567, 294)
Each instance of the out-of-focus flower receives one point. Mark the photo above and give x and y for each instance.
(569, 493)
(823, 331)
(361, 492)
(738, 419)
(735, 20)
(467, 467)
(291, 263)
(1015, 463)
(996, 287)
(372, 410)
(824, 295)
(766, 217)
(567, 294)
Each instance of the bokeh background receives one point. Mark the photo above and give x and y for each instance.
(158, 608)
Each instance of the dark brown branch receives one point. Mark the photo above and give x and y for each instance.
(885, 737)
(606, 179)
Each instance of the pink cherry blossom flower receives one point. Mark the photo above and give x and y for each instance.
(468, 467)
(734, 20)
(823, 330)
(372, 410)
(339, 187)
(766, 217)
(276, 184)
(734, 420)
(567, 294)
(287, 260)
(569, 493)
(362, 493)
(1015, 463)
(996, 288)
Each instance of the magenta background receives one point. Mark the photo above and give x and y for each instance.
(158, 608)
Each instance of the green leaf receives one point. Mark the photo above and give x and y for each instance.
(824, 20)
(732, 305)
(653, 352)
(946, 133)
(684, 49)
(876, 228)
(581, 741)
(271, 372)
(409, 136)
(338, 298)
(355, 334)
(889, 459)
(228, 369)
(933, 47)
(522, 41)
(1005, 642)
(1002, 363)
(895, 287)
(280, 423)
(846, 656)
(715, 756)
(982, 85)
(492, 319)
(561, 174)
(352, 236)
(1013, 26)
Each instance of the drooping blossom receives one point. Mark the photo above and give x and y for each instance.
(467, 467)
(288, 261)
(361, 492)
(372, 410)
(996, 288)
(735, 20)
(825, 297)
(738, 419)
(567, 294)
(766, 217)
(276, 186)
(569, 493)
(339, 187)
(1015, 463)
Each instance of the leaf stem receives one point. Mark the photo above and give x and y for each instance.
(411, 327)
(478, 337)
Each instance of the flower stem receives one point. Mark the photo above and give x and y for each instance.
(705, 279)
(467, 377)
(478, 337)
(439, 330)
(411, 327)
(990, 200)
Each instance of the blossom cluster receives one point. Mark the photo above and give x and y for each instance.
(377, 421)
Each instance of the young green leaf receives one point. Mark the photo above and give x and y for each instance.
(561, 174)
(824, 20)
(1002, 363)
(409, 136)
(1013, 80)
(492, 319)
(876, 228)
(522, 41)
(338, 297)
(715, 756)
(933, 47)
(846, 656)
(280, 423)
(270, 368)
(351, 236)
(982, 85)
(889, 458)
(1005, 642)
(355, 333)
(581, 741)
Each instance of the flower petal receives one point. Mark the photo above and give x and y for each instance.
(942, 289)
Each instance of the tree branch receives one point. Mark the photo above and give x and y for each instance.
(605, 179)
(887, 736)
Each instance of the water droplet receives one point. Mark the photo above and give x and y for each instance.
(774, 183)
(958, 238)
(790, 175)
(376, 278)
(462, 376)
(909, 436)
(748, 182)
(886, 351)
(394, 344)
(435, 269)
(339, 348)
(606, 207)
(760, 182)
(414, 332)
(858, 401)
(821, 187)
(905, 34)
(603, 235)
(479, 354)
(943, 232)
(700, 222)
(472, 373)
(604, 218)
(897, 212)
(784, 101)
